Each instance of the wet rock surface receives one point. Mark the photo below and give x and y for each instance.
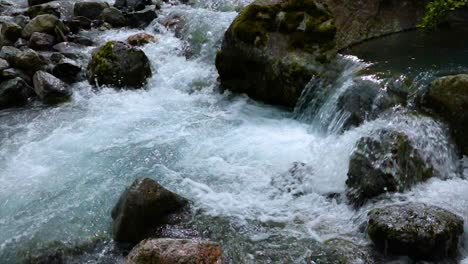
(273, 48)
(117, 63)
(418, 230)
(50, 89)
(14, 93)
(183, 251)
(448, 97)
(144, 206)
(385, 163)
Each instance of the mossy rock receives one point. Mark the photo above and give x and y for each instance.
(273, 48)
(386, 162)
(119, 65)
(417, 230)
(448, 97)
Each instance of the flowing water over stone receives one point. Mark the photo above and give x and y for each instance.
(63, 168)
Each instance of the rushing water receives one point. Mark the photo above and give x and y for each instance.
(63, 168)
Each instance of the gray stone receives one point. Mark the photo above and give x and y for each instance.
(14, 93)
(145, 205)
(417, 230)
(29, 60)
(4, 64)
(141, 19)
(91, 10)
(67, 70)
(114, 17)
(9, 53)
(42, 23)
(9, 33)
(50, 89)
(41, 41)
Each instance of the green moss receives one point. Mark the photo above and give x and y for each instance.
(100, 63)
(254, 22)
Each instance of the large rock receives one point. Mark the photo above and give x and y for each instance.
(50, 89)
(141, 208)
(181, 251)
(9, 33)
(417, 230)
(385, 162)
(142, 18)
(9, 53)
(14, 93)
(30, 61)
(141, 39)
(273, 48)
(114, 17)
(67, 70)
(41, 41)
(60, 9)
(120, 65)
(91, 10)
(132, 4)
(4, 64)
(448, 97)
(357, 21)
(42, 23)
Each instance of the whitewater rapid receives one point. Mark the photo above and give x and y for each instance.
(63, 168)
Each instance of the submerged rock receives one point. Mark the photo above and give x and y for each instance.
(118, 64)
(142, 207)
(273, 48)
(14, 93)
(387, 162)
(182, 251)
(50, 89)
(141, 39)
(448, 97)
(91, 10)
(417, 230)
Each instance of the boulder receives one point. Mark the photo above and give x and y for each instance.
(273, 49)
(141, 39)
(14, 93)
(417, 230)
(50, 89)
(141, 208)
(67, 70)
(182, 251)
(448, 97)
(9, 53)
(120, 65)
(60, 9)
(91, 10)
(30, 61)
(142, 18)
(114, 17)
(41, 41)
(77, 23)
(42, 23)
(11, 73)
(4, 64)
(38, 2)
(135, 5)
(384, 162)
(9, 33)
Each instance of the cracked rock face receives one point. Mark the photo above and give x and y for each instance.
(418, 230)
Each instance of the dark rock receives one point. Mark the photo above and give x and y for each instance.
(120, 65)
(21, 43)
(114, 17)
(50, 89)
(9, 53)
(21, 20)
(60, 9)
(38, 2)
(11, 73)
(81, 40)
(341, 251)
(386, 162)
(142, 207)
(42, 23)
(67, 47)
(4, 64)
(30, 61)
(14, 93)
(41, 41)
(9, 33)
(448, 97)
(67, 70)
(77, 23)
(141, 19)
(135, 5)
(91, 10)
(273, 49)
(166, 250)
(141, 39)
(417, 230)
